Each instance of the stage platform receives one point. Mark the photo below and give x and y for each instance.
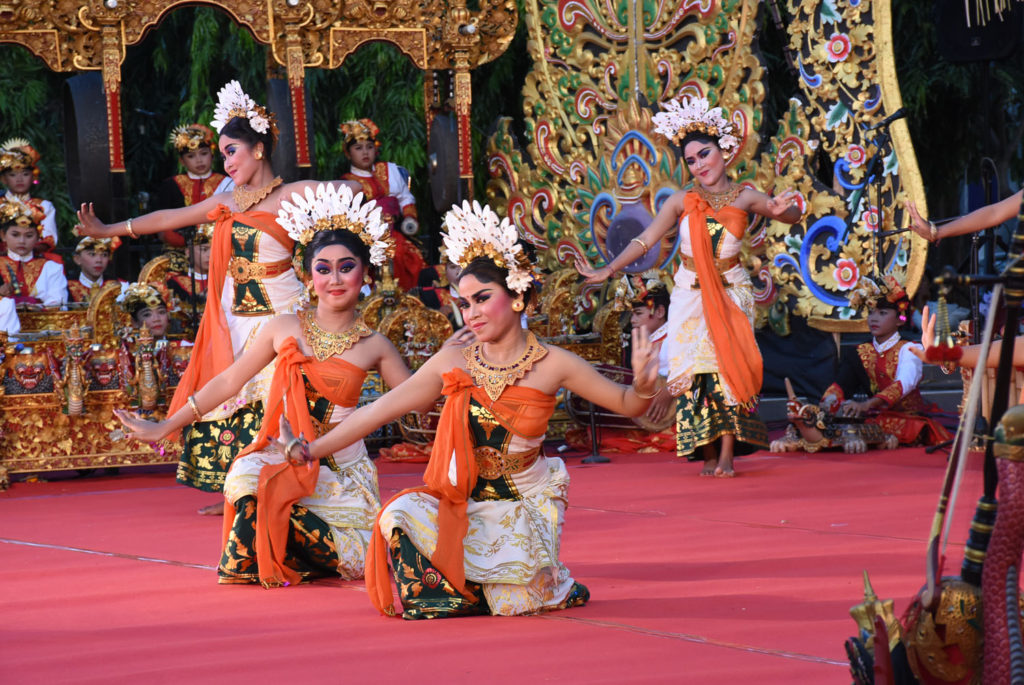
(693, 580)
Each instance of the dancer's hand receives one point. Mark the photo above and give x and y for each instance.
(590, 274)
(463, 336)
(139, 428)
(90, 225)
(919, 225)
(927, 335)
(644, 363)
(299, 453)
(783, 202)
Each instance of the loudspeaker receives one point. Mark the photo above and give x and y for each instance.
(957, 42)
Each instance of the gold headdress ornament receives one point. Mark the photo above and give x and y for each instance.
(475, 231)
(18, 153)
(107, 245)
(337, 208)
(20, 214)
(646, 287)
(204, 234)
(233, 102)
(359, 129)
(191, 137)
(141, 295)
(694, 114)
(888, 294)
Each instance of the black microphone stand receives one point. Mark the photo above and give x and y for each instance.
(190, 236)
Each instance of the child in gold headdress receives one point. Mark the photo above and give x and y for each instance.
(388, 185)
(19, 172)
(149, 305)
(27, 278)
(194, 144)
(92, 255)
(186, 279)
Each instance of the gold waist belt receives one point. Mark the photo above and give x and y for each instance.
(721, 265)
(243, 271)
(493, 463)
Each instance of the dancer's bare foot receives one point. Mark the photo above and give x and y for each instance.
(724, 468)
(709, 467)
(213, 509)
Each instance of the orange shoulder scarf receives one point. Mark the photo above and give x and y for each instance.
(523, 411)
(282, 485)
(739, 359)
(213, 352)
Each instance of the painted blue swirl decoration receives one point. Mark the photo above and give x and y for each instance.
(831, 226)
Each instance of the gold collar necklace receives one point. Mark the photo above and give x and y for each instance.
(327, 344)
(245, 197)
(720, 199)
(494, 378)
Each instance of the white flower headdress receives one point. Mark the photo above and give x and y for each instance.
(233, 102)
(474, 231)
(694, 114)
(336, 208)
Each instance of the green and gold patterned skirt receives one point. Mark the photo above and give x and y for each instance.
(211, 446)
(702, 416)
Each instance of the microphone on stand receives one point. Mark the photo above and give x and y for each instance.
(895, 116)
(885, 234)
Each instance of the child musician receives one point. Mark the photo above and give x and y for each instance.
(388, 185)
(31, 279)
(19, 171)
(92, 255)
(194, 144)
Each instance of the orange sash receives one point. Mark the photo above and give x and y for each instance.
(739, 359)
(522, 411)
(213, 353)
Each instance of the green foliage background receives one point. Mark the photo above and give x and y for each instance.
(173, 76)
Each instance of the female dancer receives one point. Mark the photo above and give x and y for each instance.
(483, 535)
(715, 367)
(250, 277)
(289, 522)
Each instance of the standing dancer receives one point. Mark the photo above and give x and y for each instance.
(715, 367)
(293, 521)
(483, 534)
(251, 279)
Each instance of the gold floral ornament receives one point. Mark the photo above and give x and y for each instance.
(359, 129)
(190, 137)
(106, 245)
(20, 214)
(204, 234)
(18, 153)
(332, 207)
(691, 115)
(233, 102)
(476, 231)
(145, 295)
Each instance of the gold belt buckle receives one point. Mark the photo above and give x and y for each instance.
(243, 271)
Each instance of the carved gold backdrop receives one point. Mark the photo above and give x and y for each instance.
(591, 155)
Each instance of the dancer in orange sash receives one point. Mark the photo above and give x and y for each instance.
(287, 522)
(250, 277)
(483, 534)
(715, 367)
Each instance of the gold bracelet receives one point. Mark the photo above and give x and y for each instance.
(641, 244)
(933, 233)
(645, 397)
(128, 227)
(195, 409)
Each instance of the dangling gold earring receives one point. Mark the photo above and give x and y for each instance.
(259, 154)
(517, 306)
(312, 292)
(367, 279)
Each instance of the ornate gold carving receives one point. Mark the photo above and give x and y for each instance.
(417, 332)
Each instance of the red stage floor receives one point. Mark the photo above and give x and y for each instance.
(694, 580)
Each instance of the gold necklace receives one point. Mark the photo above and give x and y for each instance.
(720, 199)
(327, 344)
(245, 197)
(494, 379)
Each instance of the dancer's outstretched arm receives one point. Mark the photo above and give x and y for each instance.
(978, 220)
(224, 385)
(154, 222)
(584, 380)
